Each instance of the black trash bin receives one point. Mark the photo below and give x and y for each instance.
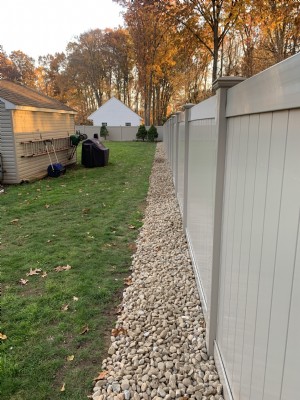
(94, 154)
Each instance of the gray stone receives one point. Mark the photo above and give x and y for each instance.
(172, 382)
(127, 394)
(116, 387)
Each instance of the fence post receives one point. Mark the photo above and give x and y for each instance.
(221, 86)
(187, 107)
(176, 137)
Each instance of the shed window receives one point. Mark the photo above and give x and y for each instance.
(104, 123)
(127, 123)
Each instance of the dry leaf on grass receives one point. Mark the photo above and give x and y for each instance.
(47, 205)
(2, 336)
(102, 375)
(35, 271)
(85, 330)
(63, 388)
(131, 227)
(14, 221)
(70, 358)
(118, 332)
(75, 298)
(65, 307)
(62, 268)
(132, 247)
(44, 274)
(23, 281)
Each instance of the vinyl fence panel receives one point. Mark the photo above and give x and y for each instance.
(237, 168)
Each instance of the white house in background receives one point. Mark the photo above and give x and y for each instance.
(115, 113)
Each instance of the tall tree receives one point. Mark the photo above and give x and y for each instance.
(280, 27)
(24, 65)
(153, 41)
(51, 76)
(120, 48)
(209, 21)
(17, 67)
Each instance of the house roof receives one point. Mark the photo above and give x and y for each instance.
(16, 96)
(110, 104)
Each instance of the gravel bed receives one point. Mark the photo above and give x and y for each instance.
(158, 348)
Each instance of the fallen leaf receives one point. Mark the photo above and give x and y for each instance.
(23, 281)
(65, 307)
(118, 332)
(14, 221)
(62, 268)
(49, 241)
(119, 309)
(63, 388)
(85, 329)
(128, 281)
(75, 298)
(86, 210)
(132, 247)
(47, 206)
(44, 274)
(70, 358)
(102, 375)
(35, 271)
(131, 227)
(2, 336)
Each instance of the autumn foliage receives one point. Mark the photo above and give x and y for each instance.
(169, 53)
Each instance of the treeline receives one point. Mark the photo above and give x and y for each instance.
(169, 53)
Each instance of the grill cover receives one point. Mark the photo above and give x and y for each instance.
(94, 154)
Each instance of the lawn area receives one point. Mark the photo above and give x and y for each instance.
(58, 323)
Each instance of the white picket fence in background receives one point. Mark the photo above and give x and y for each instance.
(235, 160)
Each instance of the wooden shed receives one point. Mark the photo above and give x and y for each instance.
(27, 119)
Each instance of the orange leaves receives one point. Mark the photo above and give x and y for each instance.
(128, 281)
(102, 375)
(2, 336)
(118, 331)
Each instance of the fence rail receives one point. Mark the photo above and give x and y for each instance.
(235, 160)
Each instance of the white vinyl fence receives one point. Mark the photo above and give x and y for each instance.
(235, 160)
(116, 133)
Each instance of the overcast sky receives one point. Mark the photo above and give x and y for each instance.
(39, 27)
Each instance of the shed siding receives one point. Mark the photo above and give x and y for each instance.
(38, 122)
(7, 147)
(40, 126)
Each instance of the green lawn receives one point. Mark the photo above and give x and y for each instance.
(87, 219)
